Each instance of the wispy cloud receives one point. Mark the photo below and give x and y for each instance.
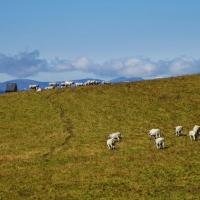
(27, 64)
(23, 64)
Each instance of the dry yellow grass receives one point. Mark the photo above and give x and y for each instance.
(52, 144)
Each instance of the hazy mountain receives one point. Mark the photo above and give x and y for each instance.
(125, 79)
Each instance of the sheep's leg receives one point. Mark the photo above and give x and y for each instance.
(190, 137)
(163, 145)
(194, 137)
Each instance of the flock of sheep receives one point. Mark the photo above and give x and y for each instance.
(156, 134)
(115, 137)
(54, 85)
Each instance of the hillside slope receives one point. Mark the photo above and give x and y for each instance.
(53, 143)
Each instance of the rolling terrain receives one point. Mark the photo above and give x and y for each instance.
(53, 143)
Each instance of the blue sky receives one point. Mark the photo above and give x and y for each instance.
(67, 39)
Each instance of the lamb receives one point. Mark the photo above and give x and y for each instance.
(54, 84)
(111, 143)
(196, 129)
(116, 136)
(179, 130)
(66, 84)
(160, 143)
(79, 84)
(49, 88)
(33, 87)
(39, 89)
(192, 135)
(154, 133)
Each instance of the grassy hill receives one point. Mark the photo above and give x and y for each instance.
(52, 144)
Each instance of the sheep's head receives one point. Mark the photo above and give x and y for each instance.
(115, 140)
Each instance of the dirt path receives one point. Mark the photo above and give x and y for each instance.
(67, 126)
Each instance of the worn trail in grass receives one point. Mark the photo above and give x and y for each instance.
(52, 144)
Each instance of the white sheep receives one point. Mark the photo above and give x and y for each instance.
(196, 128)
(116, 136)
(160, 143)
(39, 89)
(78, 84)
(193, 135)
(33, 87)
(111, 143)
(179, 130)
(54, 84)
(49, 88)
(155, 132)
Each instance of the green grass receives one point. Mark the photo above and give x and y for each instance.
(52, 144)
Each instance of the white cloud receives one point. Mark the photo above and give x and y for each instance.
(82, 63)
(184, 65)
(28, 64)
(22, 64)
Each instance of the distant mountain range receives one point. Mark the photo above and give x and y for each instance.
(125, 79)
(23, 84)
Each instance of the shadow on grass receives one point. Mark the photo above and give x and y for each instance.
(182, 135)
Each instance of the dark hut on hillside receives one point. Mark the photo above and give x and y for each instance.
(11, 87)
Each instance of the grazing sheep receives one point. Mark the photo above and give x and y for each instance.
(49, 87)
(38, 89)
(53, 84)
(160, 143)
(111, 143)
(33, 87)
(89, 82)
(155, 133)
(193, 135)
(78, 84)
(66, 84)
(116, 136)
(179, 130)
(69, 83)
(92, 82)
(196, 129)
